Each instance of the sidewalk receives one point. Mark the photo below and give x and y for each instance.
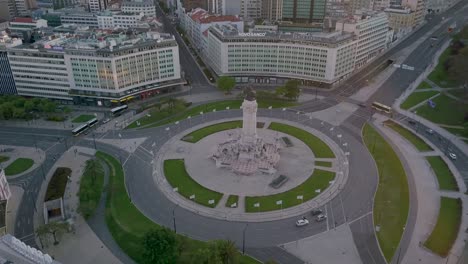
(37, 155)
(82, 245)
(428, 198)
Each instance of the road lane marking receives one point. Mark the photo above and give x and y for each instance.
(359, 218)
(326, 213)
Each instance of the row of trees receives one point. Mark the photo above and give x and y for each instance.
(457, 65)
(289, 91)
(162, 246)
(17, 107)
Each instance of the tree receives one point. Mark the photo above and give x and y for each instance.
(458, 68)
(227, 251)
(226, 83)
(56, 229)
(42, 233)
(28, 106)
(160, 247)
(7, 110)
(290, 90)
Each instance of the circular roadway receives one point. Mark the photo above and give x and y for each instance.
(353, 202)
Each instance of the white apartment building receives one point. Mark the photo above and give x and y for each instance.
(371, 31)
(146, 7)
(96, 68)
(97, 5)
(197, 22)
(268, 56)
(79, 18)
(108, 20)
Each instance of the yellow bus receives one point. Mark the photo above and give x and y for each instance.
(381, 107)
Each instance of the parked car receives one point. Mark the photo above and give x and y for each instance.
(302, 222)
(412, 122)
(316, 212)
(320, 218)
(453, 156)
(429, 131)
(106, 120)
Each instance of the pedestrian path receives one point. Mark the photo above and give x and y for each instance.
(428, 199)
(15, 152)
(82, 246)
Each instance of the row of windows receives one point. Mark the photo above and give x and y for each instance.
(19, 87)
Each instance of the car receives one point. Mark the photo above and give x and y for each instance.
(106, 120)
(362, 105)
(434, 38)
(302, 222)
(316, 212)
(429, 131)
(412, 122)
(453, 156)
(320, 218)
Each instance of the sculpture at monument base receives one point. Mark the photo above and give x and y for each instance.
(245, 153)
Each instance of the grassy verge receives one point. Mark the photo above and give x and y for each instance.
(320, 179)
(417, 142)
(416, 98)
(163, 118)
(318, 147)
(391, 203)
(18, 166)
(91, 185)
(323, 163)
(128, 225)
(424, 85)
(197, 135)
(4, 158)
(447, 111)
(82, 118)
(445, 177)
(460, 132)
(446, 230)
(57, 184)
(177, 176)
(231, 200)
(439, 75)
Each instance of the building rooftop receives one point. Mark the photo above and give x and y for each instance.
(204, 17)
(230, 32)
(137, 3)
(23, 20)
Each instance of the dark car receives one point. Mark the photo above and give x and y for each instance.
(412, 122)
(317, 212)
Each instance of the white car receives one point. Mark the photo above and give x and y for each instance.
(320, 218)
(302, 222)
(453, 156)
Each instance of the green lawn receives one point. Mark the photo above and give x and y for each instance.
(391, 203)
(83, 118)
(446, 230)
(177, 176)
(156, 117)
(416, 98)
(197, 135)
(323, 163)
(18, 166)
(447, 111)
(163, 118)
(232, 199)
(128, 225)
(57, 184)
(320, 179)
(318, 147)
(439, 75)
(91, 184)
(417, 142)
(4, 158)
(444, 175)
(423, 85)
(458, 131)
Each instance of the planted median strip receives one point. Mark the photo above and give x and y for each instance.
(128, 225)
(91, 184)
(446, 230)
(416, 141)
(197, 135)
(444, 176)
(180, 180)
(18, 166)
(318, 147)
(313, 186)
(391, 202)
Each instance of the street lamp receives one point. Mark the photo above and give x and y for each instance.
(173, 218)
(243, 239)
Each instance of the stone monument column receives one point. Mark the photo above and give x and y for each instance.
(249, 120)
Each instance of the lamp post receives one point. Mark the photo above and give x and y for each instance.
(173, 218)
(243, 239)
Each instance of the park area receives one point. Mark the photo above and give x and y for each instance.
(391, 202)
(83, 118)
(91, 185)
(128, 226)
(444, 176)
(18, 166)
(446, 229)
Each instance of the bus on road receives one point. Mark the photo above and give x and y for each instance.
(78, 130)
(118, 110)
(381, 107)
(92, 122)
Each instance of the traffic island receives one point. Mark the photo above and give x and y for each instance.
(18, 166)
(445, 177)
(391, 201)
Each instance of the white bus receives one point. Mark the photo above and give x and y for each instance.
(118, 110)
(78, 130)
(92, 122)
(381, 107)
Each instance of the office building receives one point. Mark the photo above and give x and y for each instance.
(23, 27)
(95, 67)
(6, 76)
(112, 20)
(7, 9)
(314, 57)
(272, 9)
(146, 7)
(401, 20)
(97, 5)
(381, 5)
(337, 9)
(192, 4)
(419, 9)
(303, 15)
(76, 17)
(251, 9)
